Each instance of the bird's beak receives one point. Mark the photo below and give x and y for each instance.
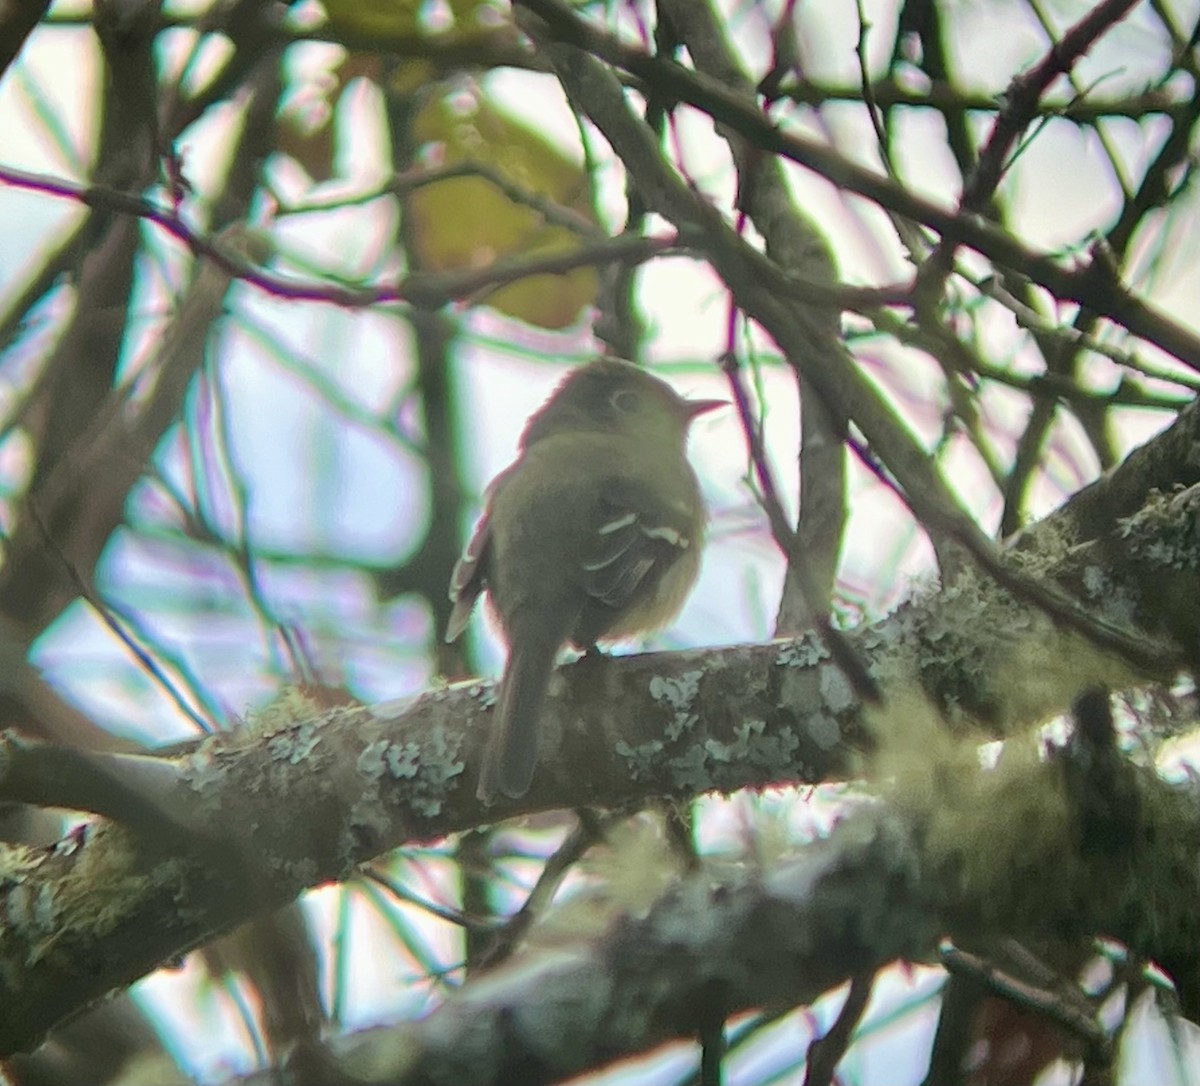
(693, 409)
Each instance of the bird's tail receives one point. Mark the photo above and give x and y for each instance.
(513, 743)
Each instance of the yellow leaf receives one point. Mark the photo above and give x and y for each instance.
(467, 222)
(383, 19)
(394, 22)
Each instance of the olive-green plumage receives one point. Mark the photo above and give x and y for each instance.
(593, 534)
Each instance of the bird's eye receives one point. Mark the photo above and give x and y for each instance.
(626, 401)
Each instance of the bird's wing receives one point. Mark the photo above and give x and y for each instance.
(470, 576)
(633, 543)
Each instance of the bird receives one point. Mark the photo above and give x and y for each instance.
(593, 534)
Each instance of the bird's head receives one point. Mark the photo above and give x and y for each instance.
(612, 396)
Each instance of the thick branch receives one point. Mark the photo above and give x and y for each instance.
(880, 888)
(17, 22)
(270, 812)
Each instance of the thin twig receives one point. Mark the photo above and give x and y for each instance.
(825, 1053)
(1065, 1012)
(424, 289)
(1090, 284)
(591, 828)
(106, 615)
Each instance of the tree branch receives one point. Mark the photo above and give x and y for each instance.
(1091, 284)
(873, 892)
(271, 810)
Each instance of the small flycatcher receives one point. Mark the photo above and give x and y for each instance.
(594, 533)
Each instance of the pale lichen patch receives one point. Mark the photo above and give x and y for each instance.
(837, 695)
(295, 744)
(640, 759)
(803, 651)
(824, 731)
